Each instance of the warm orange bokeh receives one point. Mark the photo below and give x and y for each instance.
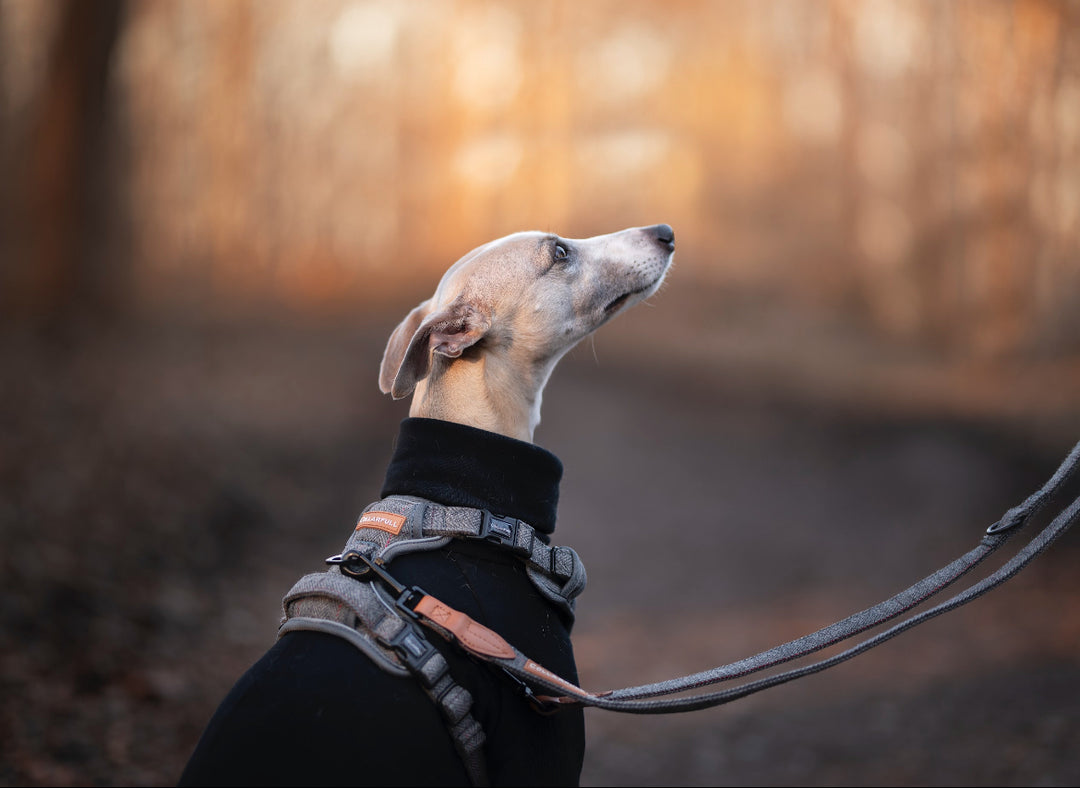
(914, 163)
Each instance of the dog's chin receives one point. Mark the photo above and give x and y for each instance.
(619, 303)
(629, 299)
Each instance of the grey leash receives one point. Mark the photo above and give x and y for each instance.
(634, 699)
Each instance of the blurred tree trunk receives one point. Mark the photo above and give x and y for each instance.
(57, 200)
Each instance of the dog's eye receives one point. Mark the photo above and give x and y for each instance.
(561, 252)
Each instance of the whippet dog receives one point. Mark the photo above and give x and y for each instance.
(344, 696)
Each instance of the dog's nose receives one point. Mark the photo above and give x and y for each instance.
(664, 234)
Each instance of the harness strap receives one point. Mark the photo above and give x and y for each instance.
(384, 658)
(363, 615)
(402, 524)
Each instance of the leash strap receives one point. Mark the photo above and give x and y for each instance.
(633, 699)
(489, 646)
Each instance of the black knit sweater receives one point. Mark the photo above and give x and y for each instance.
(314, 710)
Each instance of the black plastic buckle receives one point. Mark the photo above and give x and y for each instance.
(504, 531)
(413, 647)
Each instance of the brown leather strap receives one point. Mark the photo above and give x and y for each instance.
(472, 635)
(574, 691)
(485, 643)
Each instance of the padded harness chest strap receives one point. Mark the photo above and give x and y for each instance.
(362, 614)
(402, 524)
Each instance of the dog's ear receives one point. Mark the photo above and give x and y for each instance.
(448, 332)
(398, 344)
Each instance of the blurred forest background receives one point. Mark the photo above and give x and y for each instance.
(213, 213)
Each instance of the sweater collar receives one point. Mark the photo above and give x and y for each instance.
(457, 465)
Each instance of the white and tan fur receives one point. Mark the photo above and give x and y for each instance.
(481, 349)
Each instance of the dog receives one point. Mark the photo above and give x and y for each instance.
(317, 709)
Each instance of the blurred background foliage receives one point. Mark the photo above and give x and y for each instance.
(914, 165)
(213, 212)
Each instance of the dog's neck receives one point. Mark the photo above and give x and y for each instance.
(484, 390)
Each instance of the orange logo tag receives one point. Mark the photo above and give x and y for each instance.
(384, 521)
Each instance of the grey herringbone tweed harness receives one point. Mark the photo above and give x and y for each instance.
(381, 623)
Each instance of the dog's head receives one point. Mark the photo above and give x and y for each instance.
(529, 296)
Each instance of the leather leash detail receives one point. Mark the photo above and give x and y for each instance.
(455, 626)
